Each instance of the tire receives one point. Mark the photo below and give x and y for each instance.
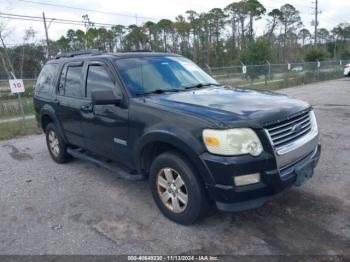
(173, 165)
(56, 145)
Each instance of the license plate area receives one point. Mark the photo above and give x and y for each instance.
(304, 173)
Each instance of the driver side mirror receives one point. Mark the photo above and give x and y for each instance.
(105, 97)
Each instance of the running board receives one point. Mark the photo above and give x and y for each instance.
(120, 172)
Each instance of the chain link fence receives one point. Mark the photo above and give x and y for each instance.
(276, 76)
(259, 77)
(11, 123)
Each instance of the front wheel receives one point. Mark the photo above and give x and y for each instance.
(177, 190)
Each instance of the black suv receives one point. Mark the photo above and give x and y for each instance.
(160, 117)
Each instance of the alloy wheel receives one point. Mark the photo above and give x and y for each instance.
(53, 143)
(172, 190)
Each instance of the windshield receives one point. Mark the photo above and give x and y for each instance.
(161, 74)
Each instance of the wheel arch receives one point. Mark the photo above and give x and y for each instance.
(48, 115)
(154, 143)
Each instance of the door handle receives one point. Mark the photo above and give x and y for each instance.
(87, 108)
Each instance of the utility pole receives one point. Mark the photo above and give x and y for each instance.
(47, 37)
(316, 20)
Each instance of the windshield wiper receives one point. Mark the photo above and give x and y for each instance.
(200, 85)
(158, 91)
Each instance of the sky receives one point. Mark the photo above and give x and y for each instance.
(139, 11)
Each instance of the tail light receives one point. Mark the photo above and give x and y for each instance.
(347, 66)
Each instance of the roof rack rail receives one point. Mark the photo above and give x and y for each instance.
(79, 53)
(141, 51)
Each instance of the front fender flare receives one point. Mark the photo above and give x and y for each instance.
(184, 142)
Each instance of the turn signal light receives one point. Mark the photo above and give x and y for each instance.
(211, 141)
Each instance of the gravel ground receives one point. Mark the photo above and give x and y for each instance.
(77, 208)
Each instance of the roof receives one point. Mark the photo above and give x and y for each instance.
(78, 56)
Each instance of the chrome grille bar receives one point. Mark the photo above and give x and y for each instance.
(290, 130)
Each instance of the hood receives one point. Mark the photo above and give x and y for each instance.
(229, 104)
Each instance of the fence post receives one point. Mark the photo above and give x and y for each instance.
(287, 75)
(244, 69)
(269, 69)
(209, 69)
(20, 106)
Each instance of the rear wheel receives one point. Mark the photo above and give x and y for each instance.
(56, 145)
(177, 190)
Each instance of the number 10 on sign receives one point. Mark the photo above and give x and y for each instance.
(16, 86)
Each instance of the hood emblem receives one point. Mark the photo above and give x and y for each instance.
(296, 128)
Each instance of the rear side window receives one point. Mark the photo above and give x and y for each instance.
(97, 79)
(46, 79)
(73, 86)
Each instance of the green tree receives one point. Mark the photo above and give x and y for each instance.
(345, 54)
(255, 11)
(28, 34)
(242, 12)
(79, 40)
(323, 35)
(195, 23)
(183, 29)
(165, 27)
(274, 18)
(217, 24)
(61, 45)
(136, 39)
(304, 35)
(150, 30)
(91, 37)
(290, 21)
(316, 53)
(232, 13)
(118, 32)
(257, 53)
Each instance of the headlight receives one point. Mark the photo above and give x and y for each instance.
(238, 141)
(314, 122)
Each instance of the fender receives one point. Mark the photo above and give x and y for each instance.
(50, 111)
(181, 140)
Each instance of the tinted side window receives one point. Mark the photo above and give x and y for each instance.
(73, 85)
(46, 78)
(98, 78)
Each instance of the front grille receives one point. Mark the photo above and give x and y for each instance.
(288, 131)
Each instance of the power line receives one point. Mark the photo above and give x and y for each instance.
(53, 20)
(296, 5)
(88, 10)
(34, 20)
(189, 4)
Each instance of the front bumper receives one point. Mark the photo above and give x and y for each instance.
(230, 198)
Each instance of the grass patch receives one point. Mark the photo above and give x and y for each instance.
(10, 107)
(15, 129)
